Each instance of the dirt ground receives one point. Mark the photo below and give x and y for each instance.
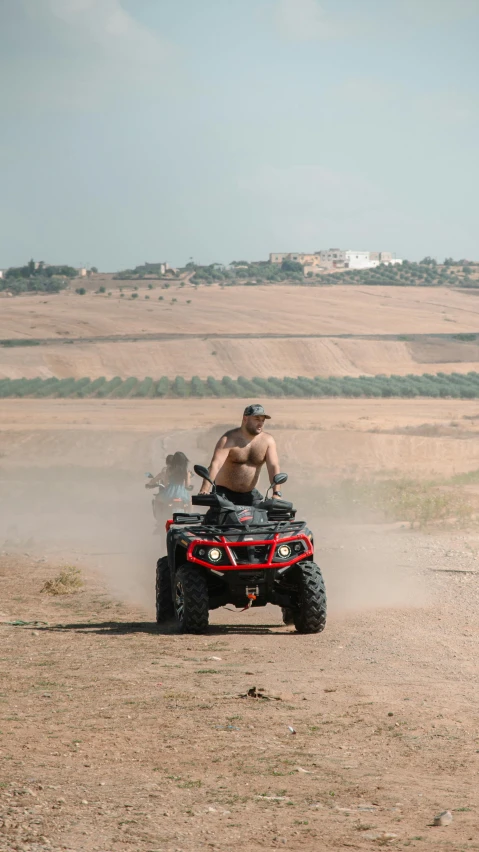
(117, 735)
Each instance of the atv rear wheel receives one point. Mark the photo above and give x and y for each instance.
(310, 615)
(191, 599)
(164, 598)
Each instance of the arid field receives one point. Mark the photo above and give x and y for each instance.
(119, 735)
(245, 331)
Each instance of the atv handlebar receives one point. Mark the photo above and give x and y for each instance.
(204, 500)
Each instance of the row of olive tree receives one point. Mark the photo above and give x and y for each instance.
(434, 385)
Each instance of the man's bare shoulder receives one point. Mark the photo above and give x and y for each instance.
(230, 437)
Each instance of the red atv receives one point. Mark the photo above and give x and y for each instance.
(240, 555)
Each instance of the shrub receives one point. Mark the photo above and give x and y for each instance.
(125, 389)
(266, 387)
(249, 387)
(92, 388)
(81, 291)
(45, 388)
(216, 388)
(145, 388)
(180, 388)
(106, 388)
(197, 387)
(231, 387)
(162, 387)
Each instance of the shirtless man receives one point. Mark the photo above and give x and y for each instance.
(239, 456)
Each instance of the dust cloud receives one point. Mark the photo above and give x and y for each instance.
(102, 521)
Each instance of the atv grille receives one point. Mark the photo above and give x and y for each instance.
(252, 554)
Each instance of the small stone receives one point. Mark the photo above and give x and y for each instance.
(84, 802)
(444, 818)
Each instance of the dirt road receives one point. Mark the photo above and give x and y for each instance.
(118, 736)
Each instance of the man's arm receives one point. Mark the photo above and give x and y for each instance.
(219, 457)
(272, 463)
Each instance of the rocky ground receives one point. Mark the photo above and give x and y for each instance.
(115, 735)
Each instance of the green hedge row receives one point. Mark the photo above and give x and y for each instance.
(451, 385)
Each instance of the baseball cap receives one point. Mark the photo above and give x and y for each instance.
(256, 411)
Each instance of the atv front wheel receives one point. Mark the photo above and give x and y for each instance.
(191, 599)
(288, 615)
(310, 615)
(164, 598)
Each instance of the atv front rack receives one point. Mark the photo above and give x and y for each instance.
(183, 519)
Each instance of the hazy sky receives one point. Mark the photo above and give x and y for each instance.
(135, 130)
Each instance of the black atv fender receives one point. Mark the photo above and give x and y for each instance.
(176, 547)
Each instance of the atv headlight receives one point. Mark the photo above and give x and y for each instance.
(284, 551)
(214, 554)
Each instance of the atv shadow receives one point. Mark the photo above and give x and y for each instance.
(122, 628)
(112, 628)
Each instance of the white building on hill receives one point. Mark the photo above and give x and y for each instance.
(358, 260)
(336, 258)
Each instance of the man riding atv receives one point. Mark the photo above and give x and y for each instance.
(244, 550)
(239, 456)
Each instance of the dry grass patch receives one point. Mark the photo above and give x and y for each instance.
(67, 582)
(418, 503)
